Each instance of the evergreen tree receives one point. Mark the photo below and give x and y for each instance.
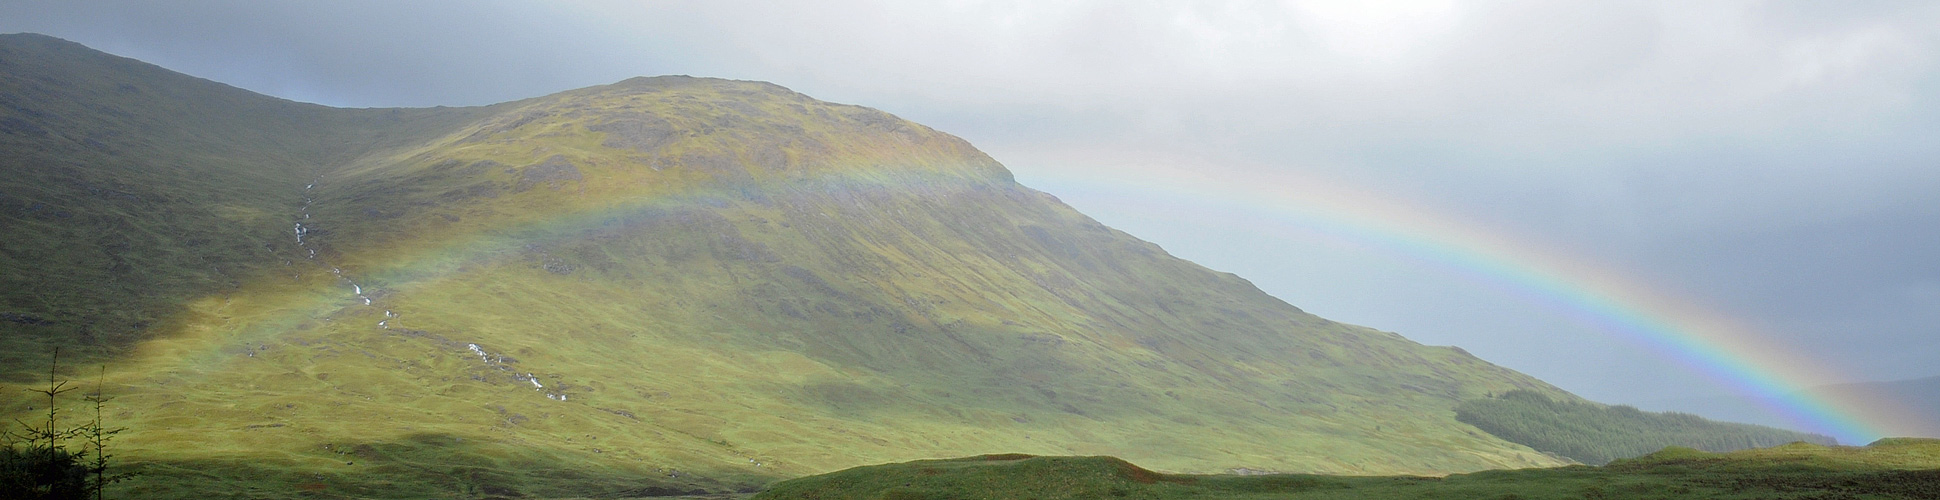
(43, 460)
(1596, 434)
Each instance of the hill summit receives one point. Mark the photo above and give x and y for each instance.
(661, 285)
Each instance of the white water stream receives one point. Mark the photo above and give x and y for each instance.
(357, 292)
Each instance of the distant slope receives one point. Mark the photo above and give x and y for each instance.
(1893, 469)
(1596, 434)
(1908, 408)
(664, 284)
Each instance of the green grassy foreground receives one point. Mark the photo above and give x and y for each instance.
(1892, 468)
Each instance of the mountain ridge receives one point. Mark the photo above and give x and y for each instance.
(676, 282)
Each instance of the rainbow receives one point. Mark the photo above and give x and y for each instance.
(1705, 342)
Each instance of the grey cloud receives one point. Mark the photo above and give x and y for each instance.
(358, 53)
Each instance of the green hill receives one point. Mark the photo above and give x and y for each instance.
(1596, 434)
(1890, 469)
(662, 285)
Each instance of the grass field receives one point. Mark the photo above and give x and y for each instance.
(1889, 469)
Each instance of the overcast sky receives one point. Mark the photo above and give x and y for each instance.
(1774, 163)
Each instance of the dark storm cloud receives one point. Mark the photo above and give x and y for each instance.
(1772, 160)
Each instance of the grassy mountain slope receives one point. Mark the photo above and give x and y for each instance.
(660, 285)
(1596, 434)
(130, 189)
(1889, 469)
